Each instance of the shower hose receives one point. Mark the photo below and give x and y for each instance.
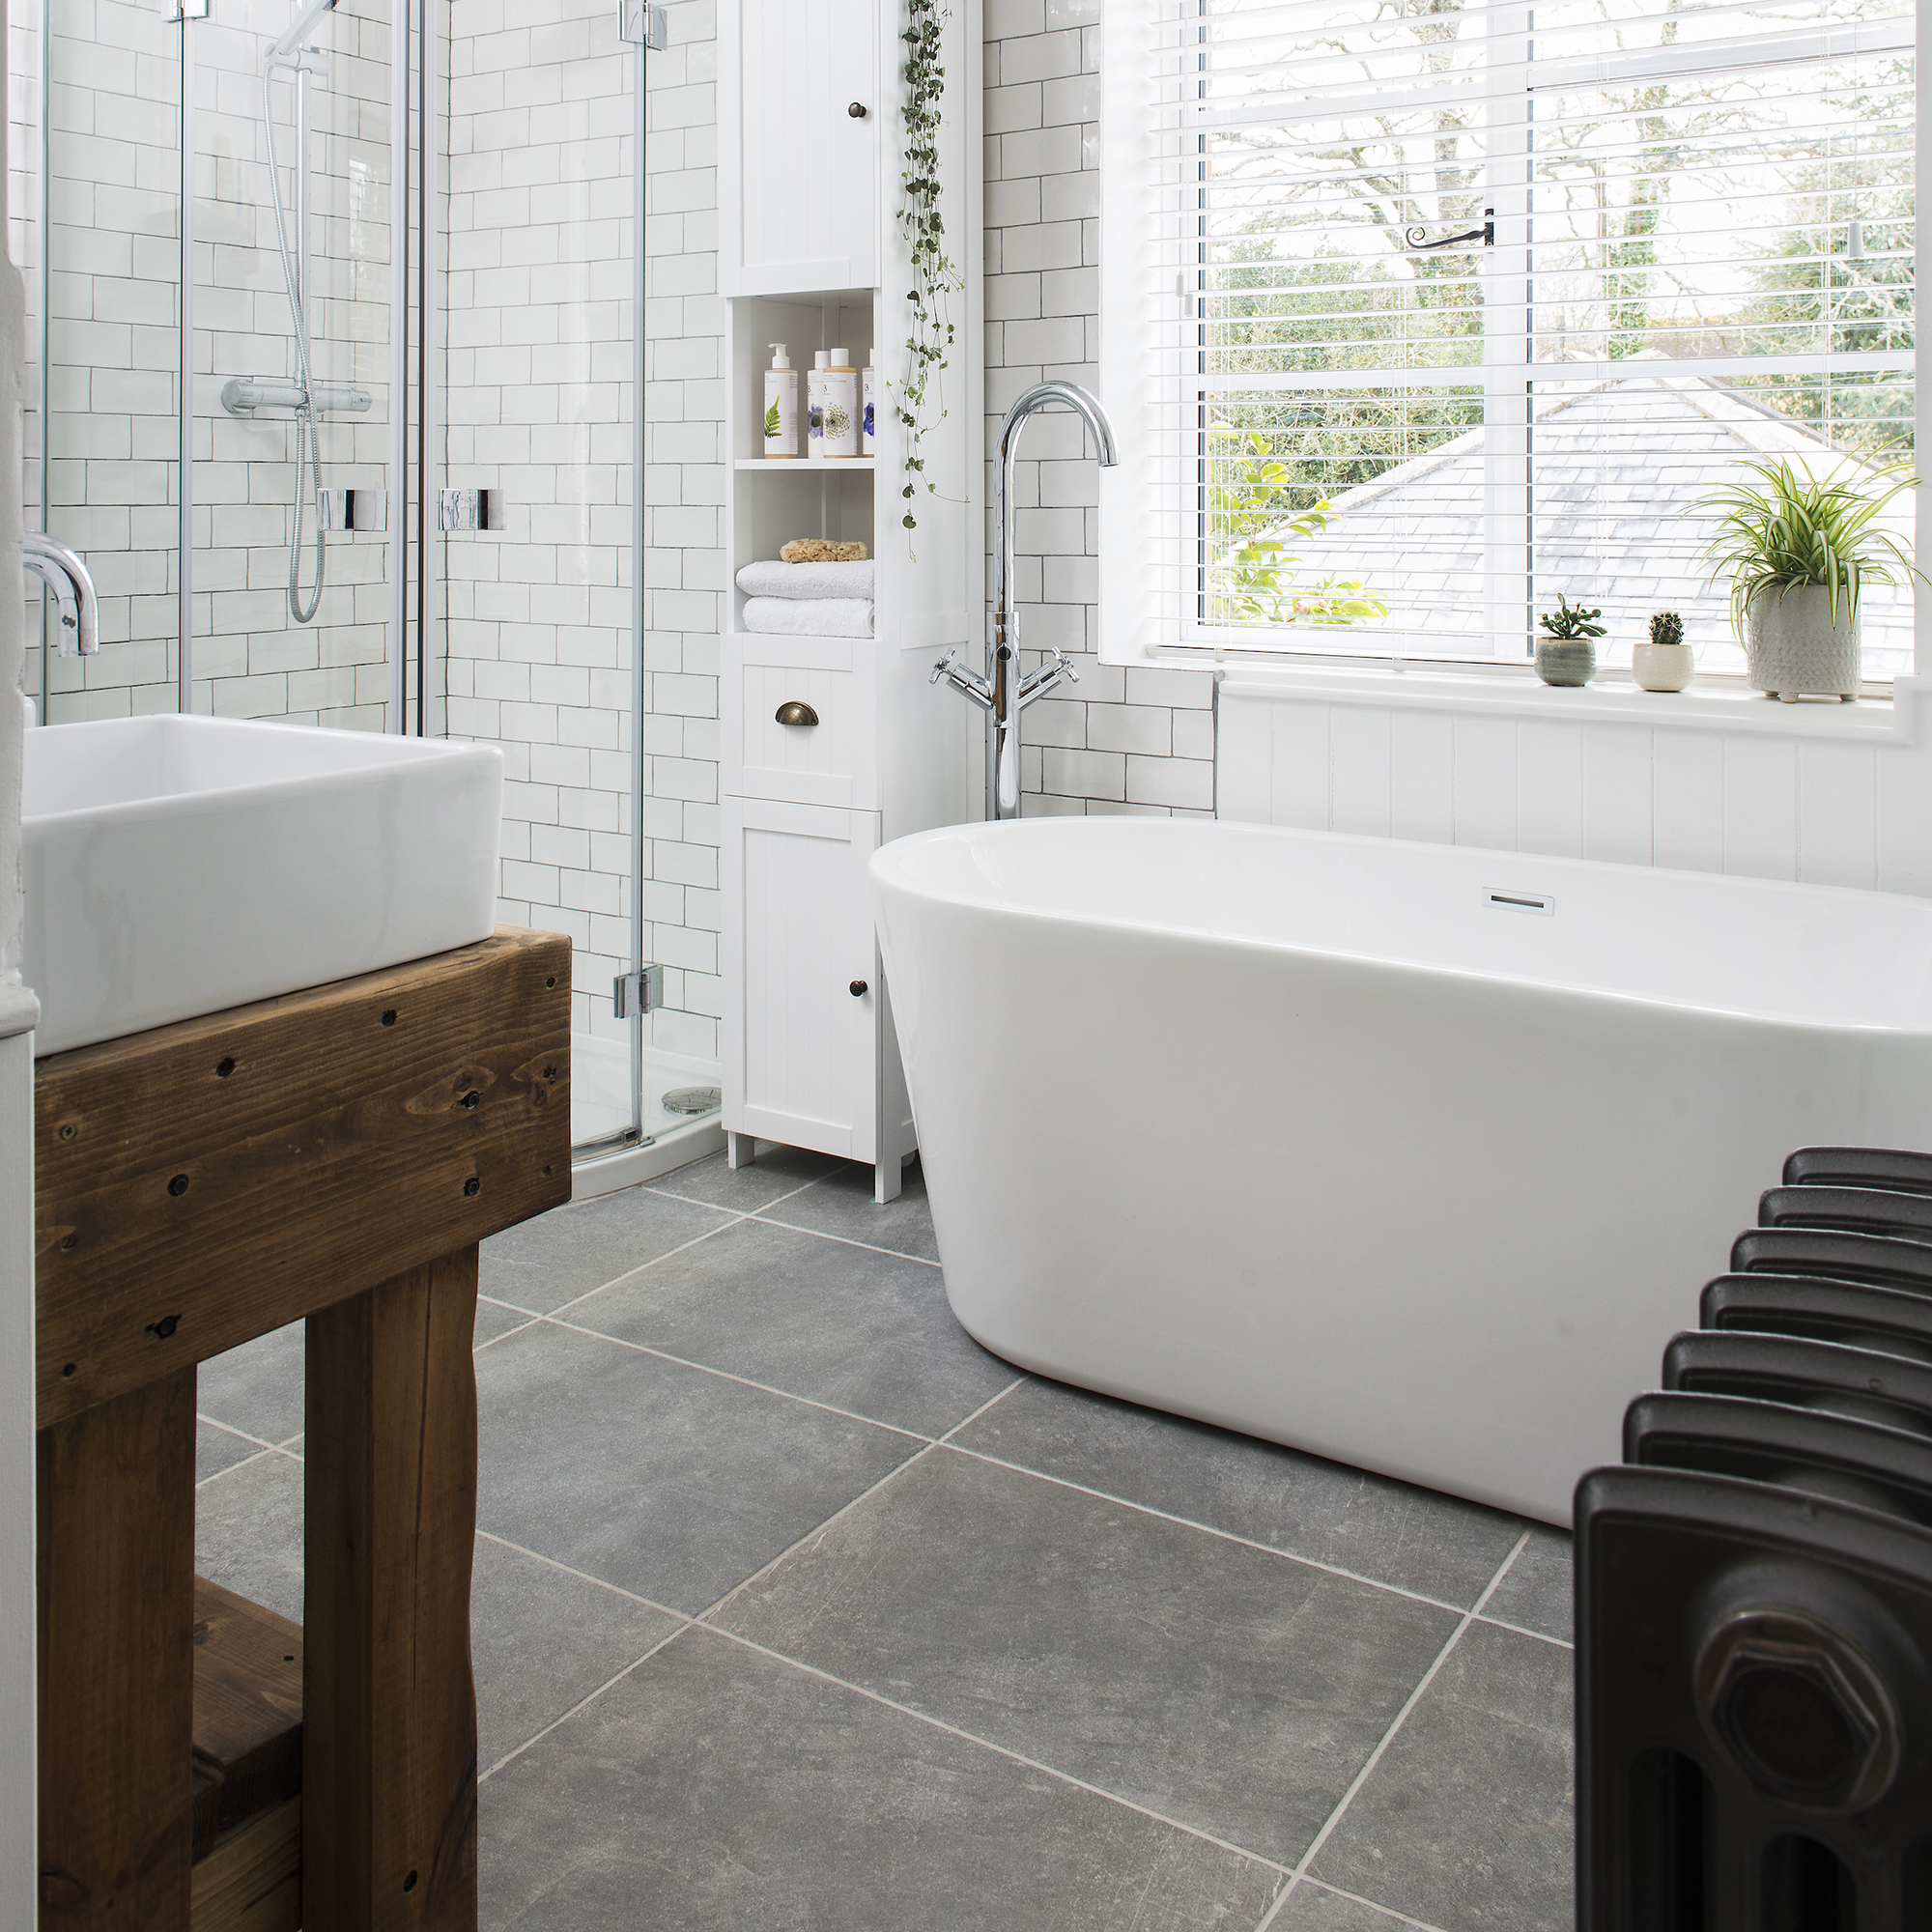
(308, 442)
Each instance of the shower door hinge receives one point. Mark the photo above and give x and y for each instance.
(644, 24)
(635, 994)
(187, 10)
(354, 509)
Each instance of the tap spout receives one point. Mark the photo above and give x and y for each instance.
(76, 608)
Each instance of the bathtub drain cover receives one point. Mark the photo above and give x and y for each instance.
(692, 1100)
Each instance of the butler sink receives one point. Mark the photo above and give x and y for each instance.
(179, 865)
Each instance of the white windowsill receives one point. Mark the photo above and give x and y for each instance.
(1614, 700)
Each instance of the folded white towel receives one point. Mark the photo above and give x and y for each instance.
(809, 616)
(807, 580)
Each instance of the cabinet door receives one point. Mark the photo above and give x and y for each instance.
(801, 1049)
(798, 172)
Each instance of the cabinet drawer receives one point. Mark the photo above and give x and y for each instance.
(832, 762)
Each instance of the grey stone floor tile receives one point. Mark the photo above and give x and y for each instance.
(776, 1171)
(1386, 1530)
(862, 1331)
(249, 1532)
(541, 1264)
(1232, 1689)
(713, 1788)
(1536, 1594)
(664, 1480)
(843, 1204)
(217, 1449)
(543, 1641)
(1313, 1908)
(1466, 1821)
(258, 1387)
(497, 1318)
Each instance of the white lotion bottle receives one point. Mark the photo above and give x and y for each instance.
(815, 405)
(780, 407)
(867, 433)
(841, 405)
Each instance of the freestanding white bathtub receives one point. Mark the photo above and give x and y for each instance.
(1410, 1155)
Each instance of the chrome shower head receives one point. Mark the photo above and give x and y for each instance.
(299, 29)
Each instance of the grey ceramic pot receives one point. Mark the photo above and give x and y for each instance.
(1565, 660)
(1792, 646)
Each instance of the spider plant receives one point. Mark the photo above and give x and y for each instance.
(1794, 529)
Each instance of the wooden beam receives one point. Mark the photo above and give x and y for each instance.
(251, 1881)
(205, 1182)
(390, 1732)
(247, 1712)
(116, 1561)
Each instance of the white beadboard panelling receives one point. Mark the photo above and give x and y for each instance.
(1358, 752)
(1483, 781)
(1615, 800)
(1837, 815)
(1826, 794)
(1688, 795)
(1761, 808)
(1550, 788)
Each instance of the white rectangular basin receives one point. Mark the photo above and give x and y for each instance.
(179, 865)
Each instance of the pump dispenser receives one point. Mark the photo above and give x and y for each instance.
(841, 407)
(815, 405)
(780, 407)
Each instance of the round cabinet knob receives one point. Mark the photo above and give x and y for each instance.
(858, 989)
(792, 712)
(856, 110)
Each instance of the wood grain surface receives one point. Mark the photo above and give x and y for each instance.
(390, 1732)
(207, 1181)
(247, 1711)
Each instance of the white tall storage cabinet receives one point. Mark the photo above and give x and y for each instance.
(810, 254)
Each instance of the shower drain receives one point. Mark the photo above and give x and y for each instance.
(692, 1100)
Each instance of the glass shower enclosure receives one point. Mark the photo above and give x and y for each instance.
(338, 310)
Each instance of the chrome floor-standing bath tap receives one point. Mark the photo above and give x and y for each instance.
(1002, 692)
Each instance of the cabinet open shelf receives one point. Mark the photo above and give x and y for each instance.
(803, 466)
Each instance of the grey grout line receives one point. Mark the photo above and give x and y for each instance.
(743, 1381)
(229, 1429)
(693, 1201)
(1226, 1535)
(583, 1575)
(538, 1737)
(946, 1440)
(229, 1468)
(478, 1347)
(845, 1240)
(1002, 1750)
(1523, 1630)
(644, 1267)
(1374, 1757)
(1388, 1912)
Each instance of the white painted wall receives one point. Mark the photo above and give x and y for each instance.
(18, 1014)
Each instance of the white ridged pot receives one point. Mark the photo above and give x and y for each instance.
(1793, 648)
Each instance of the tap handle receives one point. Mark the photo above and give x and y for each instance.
(943, 665)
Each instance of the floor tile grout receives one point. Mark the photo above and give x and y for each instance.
(583, 1575)
(845, 1240)
(1358, 1898)
(1388, 1737)
(987, 1744)
(1523, 1630)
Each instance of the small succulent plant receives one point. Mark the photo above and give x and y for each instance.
(1666, 627)
(1571, 620)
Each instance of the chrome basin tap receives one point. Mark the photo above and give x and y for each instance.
(77, 632)
(1000, 692)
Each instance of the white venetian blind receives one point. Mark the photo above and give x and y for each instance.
(1509, 287)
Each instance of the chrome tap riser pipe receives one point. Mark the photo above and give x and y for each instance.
(1003, 669)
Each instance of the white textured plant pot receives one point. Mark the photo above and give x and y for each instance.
(1793, 648)
(1662, 667)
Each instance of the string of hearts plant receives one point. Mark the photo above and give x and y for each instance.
(935, 276)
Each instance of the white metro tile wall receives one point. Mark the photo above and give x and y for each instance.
(1134, 738)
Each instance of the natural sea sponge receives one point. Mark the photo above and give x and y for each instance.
(816, 550)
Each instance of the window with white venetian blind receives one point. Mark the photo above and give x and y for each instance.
(1424, 311)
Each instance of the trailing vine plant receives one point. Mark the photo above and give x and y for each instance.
(935, 275)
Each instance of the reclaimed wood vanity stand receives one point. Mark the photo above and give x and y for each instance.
(334, 1156)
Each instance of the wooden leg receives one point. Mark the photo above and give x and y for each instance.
(388, 1696)
(116, 1511)
(740, 1150)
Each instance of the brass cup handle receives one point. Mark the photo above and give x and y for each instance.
(792, 712)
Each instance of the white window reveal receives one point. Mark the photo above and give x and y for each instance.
(1420, 312)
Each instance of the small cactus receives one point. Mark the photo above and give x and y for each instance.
(1571, 620)
(1666, 627)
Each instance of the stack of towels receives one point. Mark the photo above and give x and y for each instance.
(808, 600)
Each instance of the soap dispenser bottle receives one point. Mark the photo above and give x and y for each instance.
(841, 405)
(780, 405)
(815, 405)
(866, 431)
